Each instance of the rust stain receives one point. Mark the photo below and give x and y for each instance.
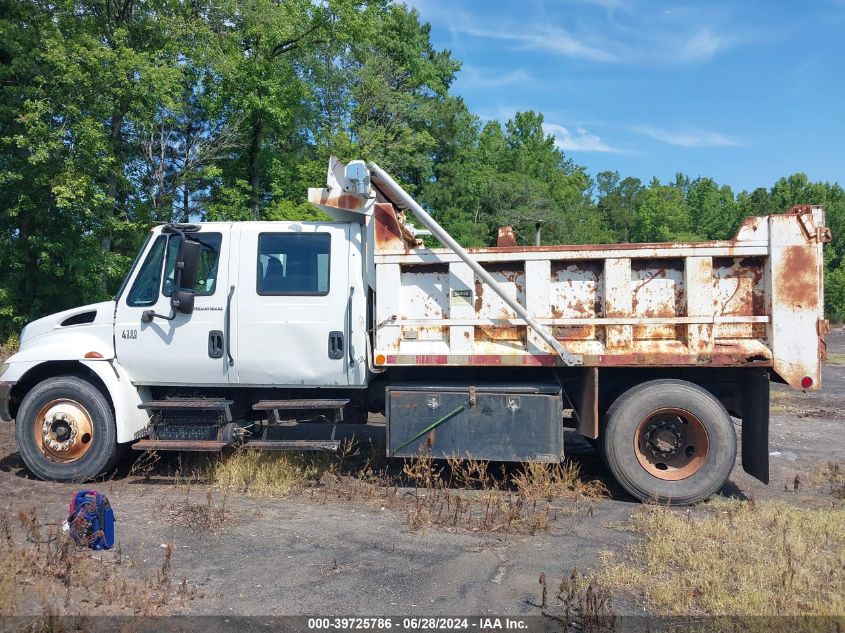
(342, 201)
(799, 209)
(823, 329)
(798, 281)
(389, 230)
(499, 333)
(575, 332)
(479, 295)
(506, 237)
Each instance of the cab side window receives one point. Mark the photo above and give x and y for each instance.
(206, 271)
(293, 263)
(145, 289)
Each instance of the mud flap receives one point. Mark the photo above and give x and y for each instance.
(755, 425)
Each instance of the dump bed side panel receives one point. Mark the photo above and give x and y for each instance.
(755, 301)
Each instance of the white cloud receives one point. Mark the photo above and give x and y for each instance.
(702, 45)
(578, 141)
(471, 75)
(551, 39)
(688, 138)
(641, 34)
(611, 5)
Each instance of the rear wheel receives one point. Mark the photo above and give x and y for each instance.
(670, 441)
(65, 430)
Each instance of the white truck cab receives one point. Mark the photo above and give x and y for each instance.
(267, 296)
(223, 330)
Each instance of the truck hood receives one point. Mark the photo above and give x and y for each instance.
(70, 335)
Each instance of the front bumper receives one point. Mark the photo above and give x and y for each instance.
(5, 392)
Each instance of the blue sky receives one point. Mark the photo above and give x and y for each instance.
(744, 92)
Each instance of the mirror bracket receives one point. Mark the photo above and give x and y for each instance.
(181, 301)
(148, 315)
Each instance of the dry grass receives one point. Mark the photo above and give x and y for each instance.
(267, 474)
(836, 359)
(209, 516)
(784, 403)
(829, 478)
(735, 558)
(454, 494)
(43, 571)
(465, 495)
(795, 403)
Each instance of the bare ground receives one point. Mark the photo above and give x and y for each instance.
(318, 553)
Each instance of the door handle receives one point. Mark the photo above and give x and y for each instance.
(335, 345)
(215, 344)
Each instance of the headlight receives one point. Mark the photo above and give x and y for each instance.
(3, 369)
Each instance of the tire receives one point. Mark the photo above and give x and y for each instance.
(51, 428)
(669, 441)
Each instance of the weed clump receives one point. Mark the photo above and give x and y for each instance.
(464, 494)
(830, 478)
(43, 571)
(207, 517)
(268, 474)
(579, 604)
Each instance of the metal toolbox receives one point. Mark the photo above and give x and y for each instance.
(502, 422)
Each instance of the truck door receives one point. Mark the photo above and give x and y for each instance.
(190, 349)
(292, 304)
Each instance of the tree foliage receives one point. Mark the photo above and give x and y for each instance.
(116, 114)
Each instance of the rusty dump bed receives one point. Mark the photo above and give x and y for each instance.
(754, 301)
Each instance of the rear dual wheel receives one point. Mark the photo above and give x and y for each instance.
(65, 430)
(669, 441)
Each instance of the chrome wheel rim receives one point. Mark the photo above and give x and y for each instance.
(64, 431)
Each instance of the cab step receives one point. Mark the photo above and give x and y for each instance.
(274, 406)
(189, 405)
(296, 405)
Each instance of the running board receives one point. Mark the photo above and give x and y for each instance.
(215, 446)
(294, 445)
(207, 446)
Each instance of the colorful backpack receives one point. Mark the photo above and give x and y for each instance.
(91, 520)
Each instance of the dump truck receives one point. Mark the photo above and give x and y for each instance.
(223, 333)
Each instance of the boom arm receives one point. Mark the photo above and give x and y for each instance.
(384, 182)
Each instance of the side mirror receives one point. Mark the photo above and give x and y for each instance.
(182, 301)
(188, 263)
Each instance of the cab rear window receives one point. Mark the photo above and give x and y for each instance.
(293, 263)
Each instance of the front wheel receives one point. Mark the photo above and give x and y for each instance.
(65, 430)
(669, 441)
